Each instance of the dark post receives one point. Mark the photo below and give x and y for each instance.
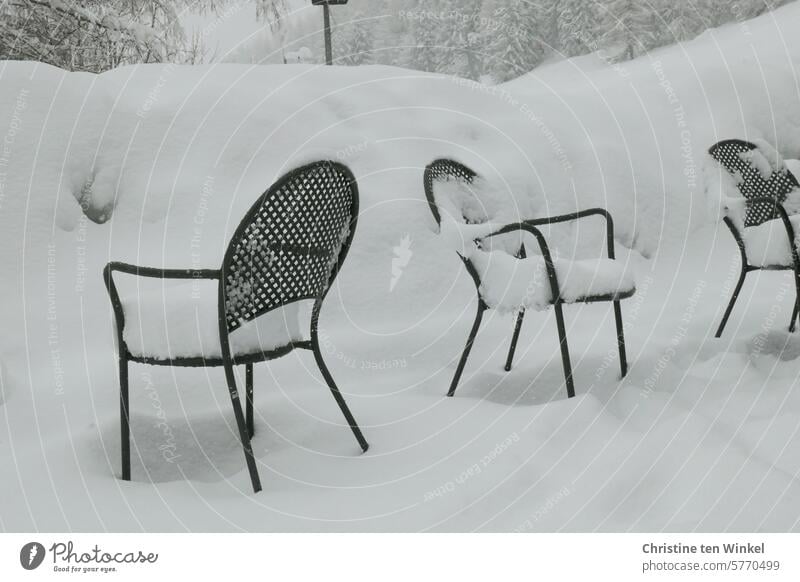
(328, 50)
(327, 16)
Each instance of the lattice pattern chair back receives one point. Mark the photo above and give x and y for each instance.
(439, 171)
(291, 243)
(752, 184)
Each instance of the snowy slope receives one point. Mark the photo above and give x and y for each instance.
(165, 160)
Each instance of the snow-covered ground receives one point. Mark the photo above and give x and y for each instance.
(701, 435)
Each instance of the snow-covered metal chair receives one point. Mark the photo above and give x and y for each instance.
(763, 230)
(288, 248)
(567, 281)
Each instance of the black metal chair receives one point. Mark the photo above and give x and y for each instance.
(288, 248)
(446, 170)
(763, 202)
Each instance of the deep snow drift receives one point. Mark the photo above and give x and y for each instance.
(157, 164)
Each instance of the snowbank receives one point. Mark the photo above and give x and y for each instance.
(162, 143)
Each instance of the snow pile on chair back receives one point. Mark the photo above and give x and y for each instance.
(473, 202)
(723, 187)
(765, 159)
(472, 210)
(758, 172)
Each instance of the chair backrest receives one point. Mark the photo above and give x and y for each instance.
(443, 170)
(291, 243)
(751, 182)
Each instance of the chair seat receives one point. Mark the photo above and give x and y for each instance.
(170, 320)
(767, 244)
(508, 283)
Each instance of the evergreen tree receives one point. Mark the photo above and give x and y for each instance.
(751, 8)
(577, 24)
(549, 15)
(96, 35)
(461, 35)
(362, 44)
(425, 52)
(628, 27)
(353, 44)
(515, 43)
(680, 21)
(502, 38)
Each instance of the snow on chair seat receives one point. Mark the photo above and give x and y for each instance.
(288, 248)
(511, 284)
(179, 320)
(768, 246)
(756, 193)
(504, 277)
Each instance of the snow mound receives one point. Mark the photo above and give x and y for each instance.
(155, 145)
(478, 201)
(776, 343)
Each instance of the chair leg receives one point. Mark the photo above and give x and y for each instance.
(734, 297)
(623, 358)
(467, 348)
(562, 337)
(513, 347)
(124, 417)
(248, 373)
(337, 395)
(242, 426)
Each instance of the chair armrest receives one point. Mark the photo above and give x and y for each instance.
(545, 249)
(547, 220)
(155, 272)
(151, 272)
